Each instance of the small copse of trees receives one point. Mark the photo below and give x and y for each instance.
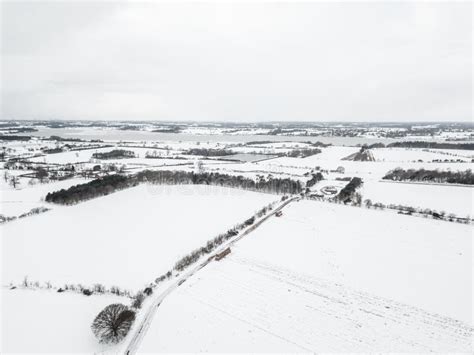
(114, 154)
(92, 189)
(303, 153)
(209, 152)
(434, 176)
(347, 193)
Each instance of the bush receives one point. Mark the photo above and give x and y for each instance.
(138, 300)
(113, 323)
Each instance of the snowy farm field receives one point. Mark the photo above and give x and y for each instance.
(86, 156)
(458, 200)
(428, 155)
(15, 201)
(331, 158)
(40, 321)
(323, 270)
(126, 239)
(328, 278)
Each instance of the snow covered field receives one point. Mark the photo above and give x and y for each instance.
(330, 159)
(85, 156)
(14, 202)
(325, 278)
(126, 239)
(409, 155)
(40, 321)
(321, 278)
(450, 199)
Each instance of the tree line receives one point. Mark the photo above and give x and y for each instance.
(209, 152)
(424, 144)
(347, 192)
(108, 184)
(268, 184)
(114, 154)
(450, 177)
(303, 153)
(89, 190)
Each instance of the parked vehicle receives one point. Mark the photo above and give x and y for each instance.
(222, 254)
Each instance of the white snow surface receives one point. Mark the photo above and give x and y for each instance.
(41, 321)
(127, 238)
(328, 278)
(450, 199)
(14, 202)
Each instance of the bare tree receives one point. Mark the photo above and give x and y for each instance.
(368, 203)
(14, 181)
(41, 174)
(113, 323)
(199, 166)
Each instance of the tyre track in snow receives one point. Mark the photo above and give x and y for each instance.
(319, 315)
(141, 329)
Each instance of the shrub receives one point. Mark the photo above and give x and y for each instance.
(113, 323)
(138, 300)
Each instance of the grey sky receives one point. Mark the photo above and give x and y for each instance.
(318, 61)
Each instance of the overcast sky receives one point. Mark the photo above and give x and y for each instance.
(318, 61)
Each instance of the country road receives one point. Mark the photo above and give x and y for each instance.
(140, 330)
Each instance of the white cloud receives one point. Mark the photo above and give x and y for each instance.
(264, 61)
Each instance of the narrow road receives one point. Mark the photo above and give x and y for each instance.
(141, 329)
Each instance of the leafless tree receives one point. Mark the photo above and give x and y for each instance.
(113, 323)
(14, 181)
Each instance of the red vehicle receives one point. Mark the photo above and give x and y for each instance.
(222, 254)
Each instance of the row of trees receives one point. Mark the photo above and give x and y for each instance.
(212, 244)
(425, 212)
(451, 177)
(303, 153)
(14, 138)
(265, 184)
(425, 144)
(348, 192)
(314, 179)
(108, 184)
(114, 154)
(95, 188)
(209, 152)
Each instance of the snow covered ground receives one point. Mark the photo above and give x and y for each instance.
(409, 155)
(328, 278)
(126, 239)
(330, 159)
(41, 321)
(85, 155)
(321, 278)
(450, 199)
(14, 202)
